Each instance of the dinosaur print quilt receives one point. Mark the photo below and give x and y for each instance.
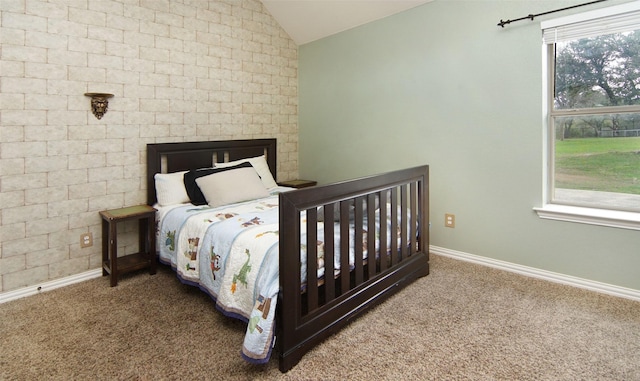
(230, 252)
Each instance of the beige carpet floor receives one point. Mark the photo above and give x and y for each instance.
(462, 322)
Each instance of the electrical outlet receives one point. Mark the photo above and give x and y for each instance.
(450, 220)
(86, 240)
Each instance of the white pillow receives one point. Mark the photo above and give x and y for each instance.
(235, 185)
(260, 165)
(170, 188)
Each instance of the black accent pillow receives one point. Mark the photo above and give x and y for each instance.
(192, 188)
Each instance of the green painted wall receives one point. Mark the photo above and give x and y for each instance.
(442, 84)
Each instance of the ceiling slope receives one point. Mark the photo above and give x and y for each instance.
(309, 20)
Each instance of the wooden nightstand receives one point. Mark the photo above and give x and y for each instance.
(146, 257)
(298, 183)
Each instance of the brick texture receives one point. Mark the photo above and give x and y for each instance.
(179, 70)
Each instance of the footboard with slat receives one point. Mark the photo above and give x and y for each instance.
(308, 317)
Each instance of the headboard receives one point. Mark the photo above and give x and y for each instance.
(181, 156)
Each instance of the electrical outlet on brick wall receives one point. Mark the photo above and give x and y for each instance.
(86, 240)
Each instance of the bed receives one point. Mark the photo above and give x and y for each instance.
(256, 247)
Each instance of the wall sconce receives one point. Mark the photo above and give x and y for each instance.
(99, 103)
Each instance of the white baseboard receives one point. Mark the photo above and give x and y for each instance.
(48, 286)
(604, 288)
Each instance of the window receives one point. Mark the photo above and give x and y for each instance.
(592, 112)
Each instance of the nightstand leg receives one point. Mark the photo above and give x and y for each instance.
(105, 247)
(152, 245)
(113, 252)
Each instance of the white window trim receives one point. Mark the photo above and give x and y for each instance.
(584, 215)
(591, 216)
(591, 15)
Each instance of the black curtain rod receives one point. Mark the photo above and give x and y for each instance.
(531, 17)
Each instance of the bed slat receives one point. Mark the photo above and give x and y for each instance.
(403, 221)
(394, 225)
(384, 255)
(329, 253)
(312, 259)
(344, 245)
(358, 221)
(371, 235)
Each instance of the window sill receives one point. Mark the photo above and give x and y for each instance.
(592, 216)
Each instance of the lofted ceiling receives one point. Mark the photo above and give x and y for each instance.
(310, 20)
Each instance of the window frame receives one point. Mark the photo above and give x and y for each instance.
(575, 212)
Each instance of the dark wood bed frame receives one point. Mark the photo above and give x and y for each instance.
(305, 318)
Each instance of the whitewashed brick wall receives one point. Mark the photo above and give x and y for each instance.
(180, 70)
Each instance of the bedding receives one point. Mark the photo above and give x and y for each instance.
(231, 252)
(246, 186)
(195, 191)
(170, 188)
(259, 163)
(182, 186)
